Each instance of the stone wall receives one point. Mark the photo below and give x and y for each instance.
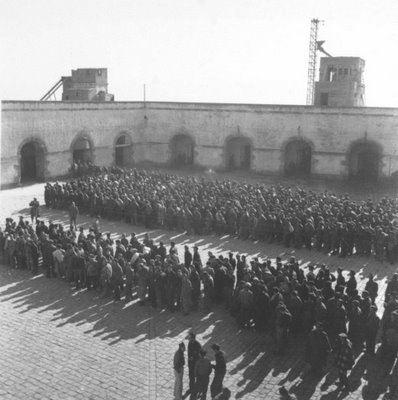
(330, 132)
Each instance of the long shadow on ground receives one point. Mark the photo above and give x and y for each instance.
(249, 353)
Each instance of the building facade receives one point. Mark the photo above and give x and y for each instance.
(40, 140)
(341, 82)
(86, 84)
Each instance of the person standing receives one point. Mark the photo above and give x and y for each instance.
(178, 363)
(33, 255)
(195, 281)
(202, 374)
(186, 295)
(194, 347)
(282, 327)
(58, 255)
(220, 368)
(246, 300)
(187, 257)
(356, 325)
(317, 349)
(73, 213)
(372, 288)
(372, 325)
(34, 209)
(208, 291)
(129, 281)
(344, 359)
(196, 257)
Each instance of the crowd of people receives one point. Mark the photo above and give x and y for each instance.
(289, 216)
(281, 298)
(81, 168)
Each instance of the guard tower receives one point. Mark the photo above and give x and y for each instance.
(340, 82)
(86, 84)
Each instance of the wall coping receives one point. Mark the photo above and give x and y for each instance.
(23, 105)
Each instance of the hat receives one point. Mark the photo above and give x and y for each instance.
(215, 346)
(202, 352)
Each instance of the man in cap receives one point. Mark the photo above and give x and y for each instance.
(203, 370)
(34, 209)
(372, 324)
(246, 300)
(196, 256)
(372, 288)
(344, 359)
(187, 257)
(220, 369)
(194, 348)
(73, 214)
(178, 364)
(317, 349)
(282, 326)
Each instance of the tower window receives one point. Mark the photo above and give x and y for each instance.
(324, 99)
(331, 74)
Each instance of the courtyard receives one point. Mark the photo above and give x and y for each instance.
(61, 343)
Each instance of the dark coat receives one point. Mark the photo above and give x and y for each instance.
(317, 348)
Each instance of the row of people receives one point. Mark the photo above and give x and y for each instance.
(289, 216)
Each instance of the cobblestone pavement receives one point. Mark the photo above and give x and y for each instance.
(59, 343)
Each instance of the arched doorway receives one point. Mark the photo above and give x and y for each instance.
(238, 153)
(123, 151)
(298, 154)
(82, 150)
(32, 162)
(364, 161)
(182, 150)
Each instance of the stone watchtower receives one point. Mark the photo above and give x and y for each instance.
(340, 82)
(86, 84)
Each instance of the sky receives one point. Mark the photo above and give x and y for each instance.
(229, 51)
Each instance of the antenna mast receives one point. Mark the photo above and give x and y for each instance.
(312, 60)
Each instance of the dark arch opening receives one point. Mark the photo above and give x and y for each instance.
(123, 151)
(364, 162)
(238, 153)
(32, 162)
(298, 157)
(182, 150)
(82, 151)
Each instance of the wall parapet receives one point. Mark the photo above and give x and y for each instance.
(27, 105)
